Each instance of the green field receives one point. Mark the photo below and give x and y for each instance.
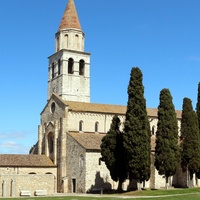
(175, 194)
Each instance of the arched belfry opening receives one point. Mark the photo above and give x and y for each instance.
(70, 66)
(59, 67)
(81, 67)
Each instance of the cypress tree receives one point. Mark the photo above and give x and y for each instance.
(167, 151)
(198, 105)
(198, 118)
(190, 158)
(113, 153)
(137, 130)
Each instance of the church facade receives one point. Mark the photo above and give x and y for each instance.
(71, 129)
(71, 126)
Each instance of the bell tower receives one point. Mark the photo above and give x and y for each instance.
(69, 66)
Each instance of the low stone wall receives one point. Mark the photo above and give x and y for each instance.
(27, 185)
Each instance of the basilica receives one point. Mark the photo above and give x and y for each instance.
(67, 157)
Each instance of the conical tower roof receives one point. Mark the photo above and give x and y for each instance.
(70, 17)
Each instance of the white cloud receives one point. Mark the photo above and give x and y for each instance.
(11, 147)
(14, 142)
(14, 134)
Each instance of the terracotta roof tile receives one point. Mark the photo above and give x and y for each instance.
(11, 160)
(90, 141)
(108, 108)
(94, 107)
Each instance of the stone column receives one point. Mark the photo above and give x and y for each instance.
(55, 142)
(62, 156)
(46, 145)
(40, 139)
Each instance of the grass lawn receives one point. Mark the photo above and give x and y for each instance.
(174, 194)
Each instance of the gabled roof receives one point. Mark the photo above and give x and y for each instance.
(108, 108)
(54, 97)
(89, 141)
(103, 108)
(92, 141)
(94, 107)
(70, 18)
(19, 160)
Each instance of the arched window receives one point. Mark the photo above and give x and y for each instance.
(77, 41)
(53, 70)
(81, 125)
(96, 127)
(66, 39)
(59, 67)
(153, 130)
(81, 67)
(32, 173)
(99, 161)
(70, 66)
(50, 142)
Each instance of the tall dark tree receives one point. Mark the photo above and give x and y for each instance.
(113, 153)
(167, 151)
(198, 105)
(137, 130)
(198, 117)
(190, 158)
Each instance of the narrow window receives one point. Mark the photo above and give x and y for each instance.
(99, 161)
(70, 66)
(81, 125)
(58, 43)
(59, 67)
(81, 67)
(96, 127)
(77, 41)
(66, 40)
(52, 71)
(153, 130)
(50, 142)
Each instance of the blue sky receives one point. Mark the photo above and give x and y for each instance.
(162, 38)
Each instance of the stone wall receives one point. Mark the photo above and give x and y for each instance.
(12, 185)
(89, 120)
(27, 170)
(76, 163)
(15, 179)
(48, 115)
(97, 174)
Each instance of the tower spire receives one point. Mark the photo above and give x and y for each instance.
(70, 18)
(69, 66)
